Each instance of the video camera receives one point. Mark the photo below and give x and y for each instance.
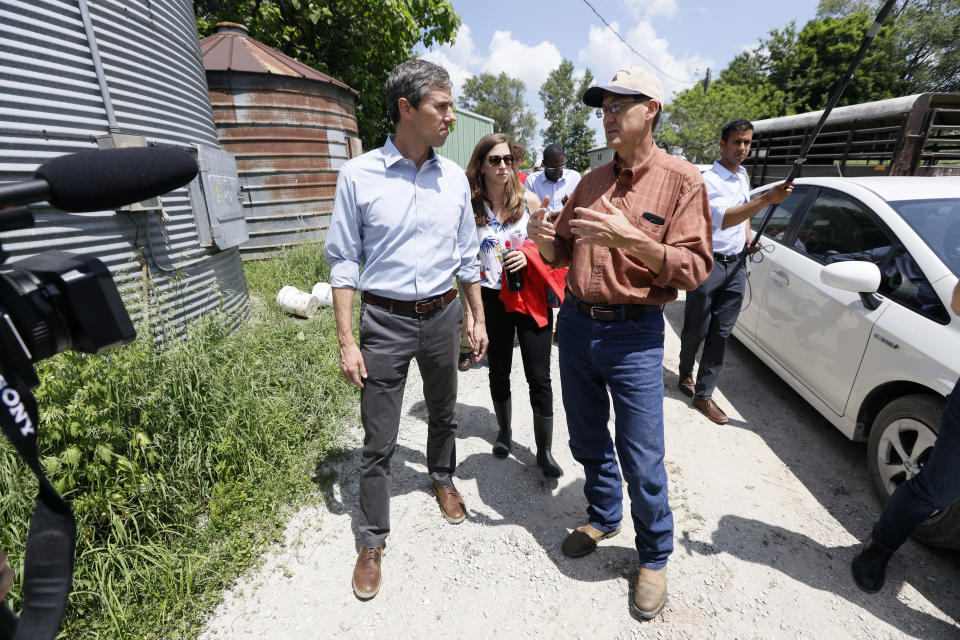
(52, 302)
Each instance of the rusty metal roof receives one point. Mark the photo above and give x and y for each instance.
(232, 49)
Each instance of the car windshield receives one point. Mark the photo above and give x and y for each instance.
(937, 222)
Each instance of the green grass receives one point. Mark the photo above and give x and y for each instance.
(183, 460)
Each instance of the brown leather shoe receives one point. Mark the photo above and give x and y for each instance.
(584, 539)
(710, 409)
(463, 362)
(451, 504)
(650, 592)
(366, 573)
(688, 386)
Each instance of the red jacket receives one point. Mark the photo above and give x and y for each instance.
(538, 279)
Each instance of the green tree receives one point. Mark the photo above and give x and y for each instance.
(750, 72)
(693, 119)
(567, 115)
(807, 64)
(355, 41)
(926, 35)
(501, 98)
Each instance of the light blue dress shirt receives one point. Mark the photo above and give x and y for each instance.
(727, 189)
(398, 232)
(541, 187)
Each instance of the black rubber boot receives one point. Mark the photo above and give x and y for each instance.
(504, 411)
(543, 433)
(870, 565)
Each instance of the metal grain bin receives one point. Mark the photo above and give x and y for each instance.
(469, 128)
(78, 74)
(290, 128)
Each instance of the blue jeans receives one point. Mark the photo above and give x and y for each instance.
(936, 487)
(625, 357)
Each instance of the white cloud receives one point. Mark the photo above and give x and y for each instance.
(458, 73)
(460, 59)
(463, 51)
(531, 64)
(605, 53)
(646, 9)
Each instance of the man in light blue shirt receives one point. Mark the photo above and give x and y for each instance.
(711, 310)
(555, 181)
(402, 228)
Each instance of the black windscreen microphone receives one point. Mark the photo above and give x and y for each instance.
(111, 178)
(101, 180)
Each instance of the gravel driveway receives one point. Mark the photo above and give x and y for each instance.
(768, 511)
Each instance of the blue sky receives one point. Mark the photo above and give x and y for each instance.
(680, 38)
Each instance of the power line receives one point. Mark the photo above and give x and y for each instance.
(629, 46)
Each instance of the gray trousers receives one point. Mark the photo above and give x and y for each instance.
(388, 342)
(710, 312)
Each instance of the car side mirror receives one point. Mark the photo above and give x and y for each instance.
(857, 276)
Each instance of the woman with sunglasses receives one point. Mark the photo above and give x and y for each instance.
(501, 208)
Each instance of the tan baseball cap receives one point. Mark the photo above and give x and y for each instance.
(630, 81)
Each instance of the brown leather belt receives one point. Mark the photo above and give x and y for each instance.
(410, 306)
(613, 312)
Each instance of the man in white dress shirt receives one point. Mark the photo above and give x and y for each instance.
(555, 181)
(711, 309)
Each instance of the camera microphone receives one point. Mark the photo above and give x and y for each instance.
(101, 180)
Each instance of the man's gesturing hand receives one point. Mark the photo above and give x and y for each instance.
(351, 364)
(609, 228)
(542, 231)
(539, 229)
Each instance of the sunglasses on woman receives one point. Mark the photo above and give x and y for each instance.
(495, 160)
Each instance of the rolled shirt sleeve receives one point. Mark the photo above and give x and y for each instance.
(468, 243)
(344, 243)
(687, 243)
(720, 199)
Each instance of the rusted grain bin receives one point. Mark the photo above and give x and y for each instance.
(290, 128)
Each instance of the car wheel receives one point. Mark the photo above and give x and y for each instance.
(901, 439)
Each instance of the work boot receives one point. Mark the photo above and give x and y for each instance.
(584, 539)
(650, 593)
(504, 411)
(366, 573)
(543, 434)
(870, 565)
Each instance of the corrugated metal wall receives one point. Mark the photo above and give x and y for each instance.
(469, 129)
(51, 103)
(290, 137)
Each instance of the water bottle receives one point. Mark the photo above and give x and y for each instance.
(514, 278)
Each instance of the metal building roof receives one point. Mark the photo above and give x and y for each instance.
(232, 49)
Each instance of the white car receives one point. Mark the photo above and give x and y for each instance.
(849, 303)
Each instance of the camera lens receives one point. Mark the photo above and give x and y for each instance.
(34, 306)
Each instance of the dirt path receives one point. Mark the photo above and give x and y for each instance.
(768, 511)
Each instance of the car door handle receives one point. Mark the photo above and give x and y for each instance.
(780, 278)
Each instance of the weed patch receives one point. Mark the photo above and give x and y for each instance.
(182, 459)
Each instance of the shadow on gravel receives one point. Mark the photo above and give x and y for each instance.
(834, 470)
(823, 568)
(514, 492)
